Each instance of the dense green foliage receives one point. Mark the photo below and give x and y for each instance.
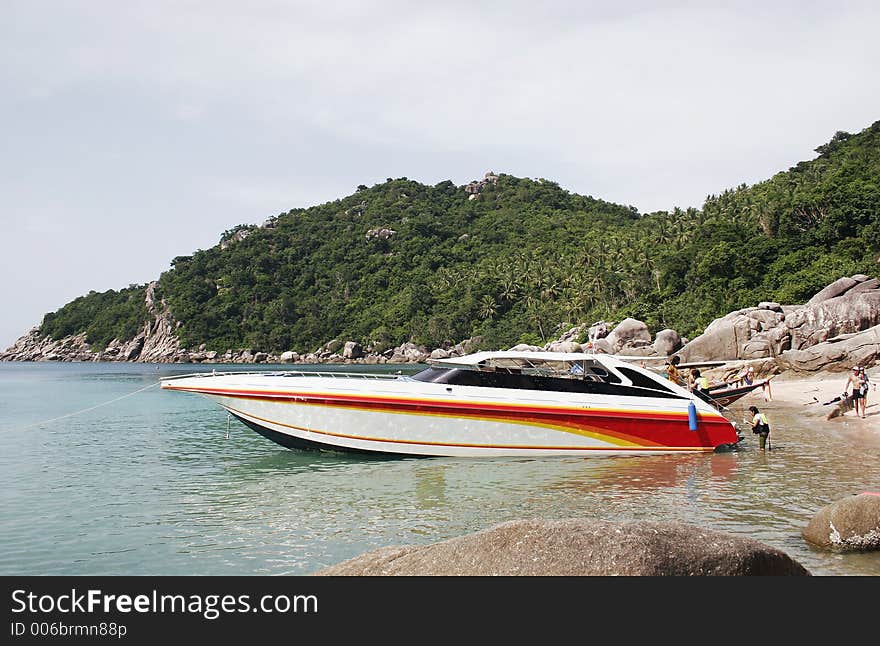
(102, 316)
(519, 263)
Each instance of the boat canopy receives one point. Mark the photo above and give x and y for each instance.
(545, 364)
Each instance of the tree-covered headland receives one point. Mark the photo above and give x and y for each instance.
(510, 259)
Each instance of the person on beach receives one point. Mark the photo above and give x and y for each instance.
(760, 426)
(855, 381)
(765, 389)
(865, 387)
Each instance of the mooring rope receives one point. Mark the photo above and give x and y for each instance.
(91, 408)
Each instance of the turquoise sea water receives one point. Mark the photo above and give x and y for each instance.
(150, 484)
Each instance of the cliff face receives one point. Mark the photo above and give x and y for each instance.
(156, 342)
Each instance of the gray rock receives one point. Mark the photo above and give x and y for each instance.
(667, 342)
(578, 548)
(837, 354)
(525, 347)
(722, 339)
(599, 330)
(564, 346)
(852, 312)
(838, 287)
(599, 345)
(381, 233)
(865, 286)
(334, 345)
(573, 333)
(627, 331)
(352, 350)
(847, 525)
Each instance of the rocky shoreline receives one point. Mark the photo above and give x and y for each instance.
(837, 328)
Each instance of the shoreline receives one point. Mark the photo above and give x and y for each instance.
(807, 396)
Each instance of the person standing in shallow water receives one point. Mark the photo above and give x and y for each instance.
(760, 426)
(858, 395)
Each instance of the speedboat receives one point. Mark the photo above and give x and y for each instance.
(500, 403)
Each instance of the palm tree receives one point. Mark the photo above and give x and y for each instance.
(488, 307)
(509, 288)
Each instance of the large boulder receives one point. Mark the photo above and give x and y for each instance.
(865, 286)
(847, 525)
(409, 353)
(525, 347)
(838, 287)
(564, 346)
(578, 548)
(835, 355)
(726, 337)
(627, 333)
(667, 342)
(846, 314)
(352, 350)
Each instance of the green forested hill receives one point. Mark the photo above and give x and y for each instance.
(517, 263)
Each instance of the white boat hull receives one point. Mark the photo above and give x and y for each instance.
(412, 418)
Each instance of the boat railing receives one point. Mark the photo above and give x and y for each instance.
(290, 373)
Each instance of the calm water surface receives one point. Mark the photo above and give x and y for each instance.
(149, 484)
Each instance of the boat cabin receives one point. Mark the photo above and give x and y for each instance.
(570, 373)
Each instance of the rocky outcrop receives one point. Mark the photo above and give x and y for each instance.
(35, 347)
(474, 188)
(835, 355)
(156, 342)
(564, 346)
(839, 312)
(743, 334)
(847, 525)
(382, 233)
(352, 350)
(578, 548)
(837, 288)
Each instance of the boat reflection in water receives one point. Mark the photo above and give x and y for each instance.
(650, 474)
(481, 405)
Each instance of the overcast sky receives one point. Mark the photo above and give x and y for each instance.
(134, 132)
